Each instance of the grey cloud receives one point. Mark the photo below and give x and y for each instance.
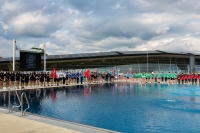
(125, 28)
(170, 6)
(104, 25)
(13, 9)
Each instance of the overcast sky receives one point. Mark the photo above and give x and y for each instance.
(77, 26)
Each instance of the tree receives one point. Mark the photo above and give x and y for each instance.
(10, 66)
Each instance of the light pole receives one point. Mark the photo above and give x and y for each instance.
(14, 48)
(147, 60)
(44, 57)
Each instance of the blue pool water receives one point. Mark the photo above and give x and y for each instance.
(123, 107)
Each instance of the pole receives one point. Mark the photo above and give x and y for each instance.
(147, 60)
(14, 46)
(9, 101)
(170, 64)
(44, 57)
(22, 104)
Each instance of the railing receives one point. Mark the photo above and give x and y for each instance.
(20, 102)
(22, 106)
(14, 106)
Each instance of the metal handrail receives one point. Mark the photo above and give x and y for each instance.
(14, 106)
(9, 99)
(24, 112)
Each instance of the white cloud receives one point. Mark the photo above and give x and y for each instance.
(77, 22)
(118, 6)
(77, 26)
(49, 45)
(30, 22)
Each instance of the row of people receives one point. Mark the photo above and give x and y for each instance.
(23, 78)
(180, 78)
(32, 78)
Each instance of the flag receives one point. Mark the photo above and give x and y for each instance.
(87, 73)
(17, 48)
(54, 73)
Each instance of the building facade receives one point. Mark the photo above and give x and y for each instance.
(124, 61)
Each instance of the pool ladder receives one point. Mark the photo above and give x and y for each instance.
(24, 95)
(20, 102)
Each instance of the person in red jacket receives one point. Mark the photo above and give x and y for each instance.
(189, 78)
(192, 78)
(186, 78)
(195, 78)
(182, 78)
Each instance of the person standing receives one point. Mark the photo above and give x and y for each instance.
(22, 79)
(7, 79)
(72, 77)
(48, 78)
(37, 76)
(60, 77)
(31, 79)
(45, 78)
(66, 77)
(34, 78)
(1, 79)
(17, 79)
(77, 77)
(57, 78)
(42, 79)
(63, 77)
(26, 79)
(95, 76)
(81, 77)
(179, 78)
(51, 78)
(12, 78)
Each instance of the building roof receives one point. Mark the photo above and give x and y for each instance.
(104, 54)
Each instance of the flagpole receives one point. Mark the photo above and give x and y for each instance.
(14, 47)
(147, 60)
(44, 57)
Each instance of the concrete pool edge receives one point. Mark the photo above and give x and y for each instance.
(55, 86)
(59, 123)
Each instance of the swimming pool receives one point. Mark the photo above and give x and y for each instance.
(123, 107)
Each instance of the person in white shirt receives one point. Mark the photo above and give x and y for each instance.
(57, 78)
(60, 77)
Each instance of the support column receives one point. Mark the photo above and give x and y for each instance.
(139, 66)
(45, 58)
(192, 64)
(159, 65)
(14, 47)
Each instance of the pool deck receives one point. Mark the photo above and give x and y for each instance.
(14, 123)
(55, 86)
(31, 123)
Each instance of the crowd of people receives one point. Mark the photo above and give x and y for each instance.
(31, 78)
(181, 78)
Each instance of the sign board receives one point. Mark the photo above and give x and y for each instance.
(30, 61)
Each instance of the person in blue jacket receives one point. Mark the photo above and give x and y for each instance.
(72, 76)
(81, 77)
(67, 77)
(77, 77)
